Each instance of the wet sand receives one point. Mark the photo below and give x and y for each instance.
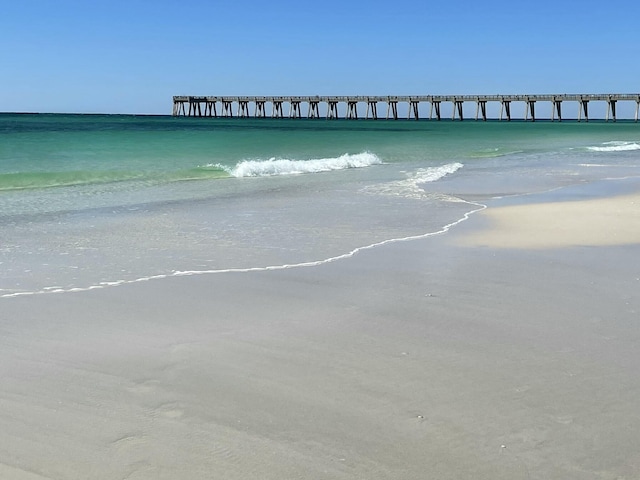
(450, 357)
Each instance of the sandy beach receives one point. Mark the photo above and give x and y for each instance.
(503, 349)
(601, 222)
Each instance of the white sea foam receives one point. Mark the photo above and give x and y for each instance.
(281, 166)
(615, 147)
(411, 187)
(606, 165)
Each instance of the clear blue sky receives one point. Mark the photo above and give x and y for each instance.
(132, 56)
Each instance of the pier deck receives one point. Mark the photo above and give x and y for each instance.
(207, 106)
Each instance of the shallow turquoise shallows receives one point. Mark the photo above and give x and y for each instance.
(91, 201)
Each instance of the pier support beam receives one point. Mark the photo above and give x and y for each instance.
(530, 108)
(210, 109)
(392, 106)
(243, 108)
(611, 107)
(457, 108)
(373, 106)
(556, 108)
(352, 109)
(276, 109)
(260, 110)
(435, 104)
(195, 108)
(583, 106)
(227, 106)
(505, 105)
(637, 108)
(413, 110)
(179, 108)
(332, 109)
(481, 105)
(314, 111)
(294, 109)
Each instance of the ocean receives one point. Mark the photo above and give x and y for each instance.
(99, 201)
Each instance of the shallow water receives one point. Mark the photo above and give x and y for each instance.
(92, 201)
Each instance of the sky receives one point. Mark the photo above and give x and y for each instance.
(132, 56)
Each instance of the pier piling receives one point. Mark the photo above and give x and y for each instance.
(259, 111)
(482, 106)
(413, 110)
(530, 108)
(506, 106)
(611, 107)
(332, 111)
(210, 108)
(392, 105)
(243, 108)
(372, 105)
(583, 106)
(276, 109)
(352, 109)
(459, 104)
(556, 108)
(314, 111)
(227, 106)
(435, 104)
(294, 108)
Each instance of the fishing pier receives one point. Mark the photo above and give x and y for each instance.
(206, 106)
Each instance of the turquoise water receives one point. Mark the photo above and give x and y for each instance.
(39, 151)
(96, 200)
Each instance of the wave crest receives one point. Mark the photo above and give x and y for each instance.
(274, 166)
(615, 147)
(410, 188)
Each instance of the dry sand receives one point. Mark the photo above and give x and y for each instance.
(422, 359)
(596, 222)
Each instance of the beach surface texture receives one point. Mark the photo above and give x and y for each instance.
(237, 298)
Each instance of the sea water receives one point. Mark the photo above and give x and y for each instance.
(97, 201)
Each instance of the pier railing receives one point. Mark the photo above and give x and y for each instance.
(207, 106)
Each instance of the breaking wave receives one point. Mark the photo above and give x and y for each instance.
(615, 147)
(410, 188)
(276, 166)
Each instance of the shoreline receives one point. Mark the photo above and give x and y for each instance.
(431, 355)
(268, 268)
(557, 218)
